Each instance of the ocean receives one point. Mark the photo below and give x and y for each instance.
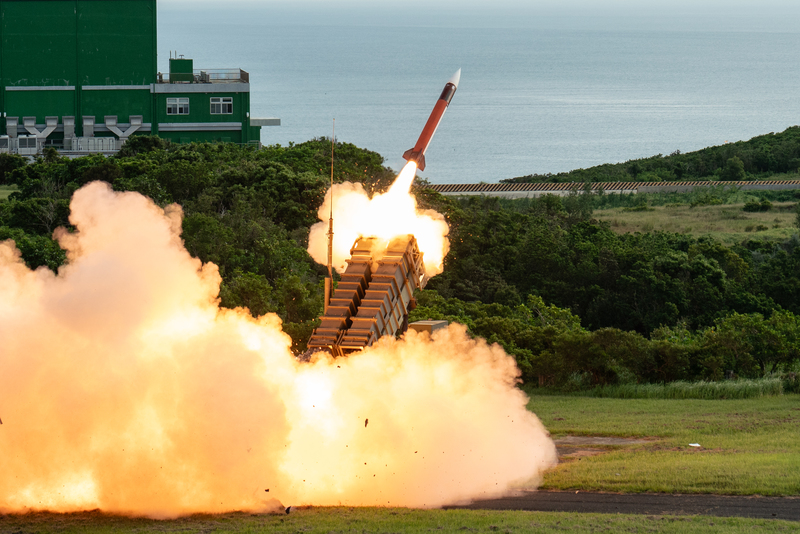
(531, 100)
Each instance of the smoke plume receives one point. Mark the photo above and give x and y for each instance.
(124, 387)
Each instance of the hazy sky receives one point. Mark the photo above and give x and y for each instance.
(694, 15)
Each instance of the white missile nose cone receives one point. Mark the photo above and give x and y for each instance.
(456, 77)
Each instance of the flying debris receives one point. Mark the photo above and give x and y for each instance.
(417, 154)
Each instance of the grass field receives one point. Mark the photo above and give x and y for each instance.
(369, 520)
(748, 446)
(726, 222)
(6, 190)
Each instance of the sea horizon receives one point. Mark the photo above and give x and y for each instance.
(531, 100)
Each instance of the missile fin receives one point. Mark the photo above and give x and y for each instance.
(416, 157)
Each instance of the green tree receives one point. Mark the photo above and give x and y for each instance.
(733, 170)
(247, 290)
(8, 163)
(37, 250)
(674, 349)
(138, 144)
(729, 346)
(578, 203)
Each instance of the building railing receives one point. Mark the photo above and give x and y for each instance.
(75, 146)
(212, 76)
(30, 146)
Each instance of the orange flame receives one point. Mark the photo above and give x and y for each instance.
(124, 387)
(385, 216)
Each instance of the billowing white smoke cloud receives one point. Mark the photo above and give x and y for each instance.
(124, 387)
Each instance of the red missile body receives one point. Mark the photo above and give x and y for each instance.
(417, 154)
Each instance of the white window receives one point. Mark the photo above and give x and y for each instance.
(222, 105)
(177, 106)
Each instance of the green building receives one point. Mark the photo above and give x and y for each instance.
(81, 75)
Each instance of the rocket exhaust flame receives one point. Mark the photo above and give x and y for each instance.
(385, 216)
(392, 214)
(124, 387)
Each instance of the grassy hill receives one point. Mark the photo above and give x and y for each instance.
(770, 156)
(728, 224)
(6, 190)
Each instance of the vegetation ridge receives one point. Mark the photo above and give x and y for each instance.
(760, 158)
(576, 303)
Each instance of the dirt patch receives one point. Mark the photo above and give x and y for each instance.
(566, 454)
(577, 447)
(585, 441)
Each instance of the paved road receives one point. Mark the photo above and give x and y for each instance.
(787, 508)
(506, 190)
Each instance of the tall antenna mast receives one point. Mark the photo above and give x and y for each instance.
(330, 221)
(329, 279)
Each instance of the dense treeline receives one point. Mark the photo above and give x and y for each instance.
(642, 307)
(501, 252)
(575, 303)
(553, 349)
(757, 159)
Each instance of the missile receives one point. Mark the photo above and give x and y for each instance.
(417, 154)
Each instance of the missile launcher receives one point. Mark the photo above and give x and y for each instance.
(373, 297)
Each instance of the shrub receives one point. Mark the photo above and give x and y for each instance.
(797, 218)
(755, 206)
(706, 199)
(729, 389)
(791, 383)
(640, 207)
(9, 162)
